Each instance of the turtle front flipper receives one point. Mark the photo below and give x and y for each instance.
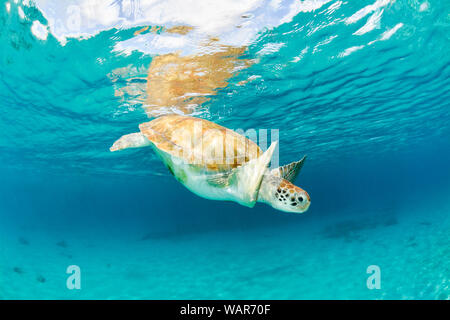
(290, 171)
(248, 177)
(132, 140)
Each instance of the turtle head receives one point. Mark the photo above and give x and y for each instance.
(283, 195)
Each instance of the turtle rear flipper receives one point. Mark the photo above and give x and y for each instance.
(132, 140)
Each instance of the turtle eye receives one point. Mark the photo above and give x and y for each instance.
(300, 199)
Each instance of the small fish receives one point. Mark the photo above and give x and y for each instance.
(62, 244)
(41, 279)
(18, 270)
(23, 241)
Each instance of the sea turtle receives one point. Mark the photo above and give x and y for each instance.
(218, 163)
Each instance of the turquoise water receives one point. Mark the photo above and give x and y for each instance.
(361, 87)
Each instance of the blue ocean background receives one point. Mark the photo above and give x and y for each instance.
(371, 111)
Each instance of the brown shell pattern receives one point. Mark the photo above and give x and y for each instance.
(200, 142)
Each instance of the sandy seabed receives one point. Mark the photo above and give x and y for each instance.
(316, 260)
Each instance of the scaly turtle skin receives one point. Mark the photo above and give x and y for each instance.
(217, 163)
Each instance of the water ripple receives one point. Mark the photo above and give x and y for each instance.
(335, 78)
